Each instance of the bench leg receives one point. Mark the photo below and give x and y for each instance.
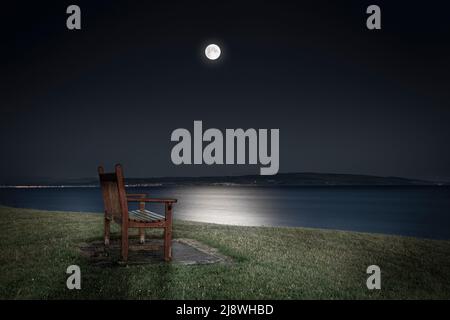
(168, 233)
(168, 243)
(124, 243)
(107, 231)
(141, 235)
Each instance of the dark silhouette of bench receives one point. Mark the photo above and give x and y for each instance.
(116, 209)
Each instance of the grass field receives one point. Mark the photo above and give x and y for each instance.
(280, 263)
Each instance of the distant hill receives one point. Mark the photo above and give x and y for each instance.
(286, 179)
(281, 179)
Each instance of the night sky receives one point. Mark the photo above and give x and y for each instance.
(346, 99)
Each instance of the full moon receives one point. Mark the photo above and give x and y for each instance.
(212, 52)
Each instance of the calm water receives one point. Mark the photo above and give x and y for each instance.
(412, 211)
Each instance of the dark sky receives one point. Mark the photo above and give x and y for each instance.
(346, 99)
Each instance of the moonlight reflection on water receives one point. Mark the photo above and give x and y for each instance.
(226, 206)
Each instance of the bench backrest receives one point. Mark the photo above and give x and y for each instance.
(114, 195)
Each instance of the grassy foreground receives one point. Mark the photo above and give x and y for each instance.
(280, 263)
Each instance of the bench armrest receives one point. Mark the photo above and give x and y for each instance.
(136, 195)
(158, 200)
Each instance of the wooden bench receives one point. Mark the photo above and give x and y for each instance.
(116, 209)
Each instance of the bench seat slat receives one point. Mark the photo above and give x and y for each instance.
(144, 216)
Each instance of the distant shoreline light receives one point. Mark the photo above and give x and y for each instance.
(46, 186)
(74, 186)
(145, 185)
